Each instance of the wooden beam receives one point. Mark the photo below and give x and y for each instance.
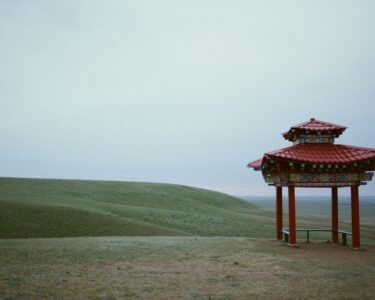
(335, 216)
(356, 243)
(279, 212)
(292, 216)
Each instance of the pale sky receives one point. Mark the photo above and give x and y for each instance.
(177, 91)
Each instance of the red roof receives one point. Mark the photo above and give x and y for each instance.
(255, 164)
(317, 153)
(317, 125)
(313, 126)
(323, 153)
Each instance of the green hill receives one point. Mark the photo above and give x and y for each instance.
(67, 208)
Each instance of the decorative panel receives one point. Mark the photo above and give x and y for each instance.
(333, 177)
(319, 180)
(315, 139)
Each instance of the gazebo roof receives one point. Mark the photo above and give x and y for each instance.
(314, 159)
(313, 126)
(320, 153)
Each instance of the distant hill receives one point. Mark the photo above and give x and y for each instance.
(68, 208)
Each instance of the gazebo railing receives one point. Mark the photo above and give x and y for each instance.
(343, 233)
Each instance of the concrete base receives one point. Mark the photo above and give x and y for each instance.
(293, 245)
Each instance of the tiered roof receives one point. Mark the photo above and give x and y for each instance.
(313, 126)
(320, 153)
(314, 151)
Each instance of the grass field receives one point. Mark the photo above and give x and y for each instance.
(73, 208)
(67, 208)
(182, 268)
(69, 239)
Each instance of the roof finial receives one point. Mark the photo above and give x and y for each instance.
(312, 119)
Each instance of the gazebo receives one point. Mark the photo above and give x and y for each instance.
(315, 161)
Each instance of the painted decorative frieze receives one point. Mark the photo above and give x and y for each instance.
(319, 179)
(333, 177)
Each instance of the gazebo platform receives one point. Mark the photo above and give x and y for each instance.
(343, 233)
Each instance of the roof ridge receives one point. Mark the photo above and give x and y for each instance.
(313, 120)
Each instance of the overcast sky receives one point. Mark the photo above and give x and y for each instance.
(177, 91)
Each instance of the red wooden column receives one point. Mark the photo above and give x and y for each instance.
(355, 218)
(292, 216)
(335, 215)
(279, 212)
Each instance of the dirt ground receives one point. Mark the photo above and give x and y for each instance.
(183, 268)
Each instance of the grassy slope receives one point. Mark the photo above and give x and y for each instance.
(63, 208)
